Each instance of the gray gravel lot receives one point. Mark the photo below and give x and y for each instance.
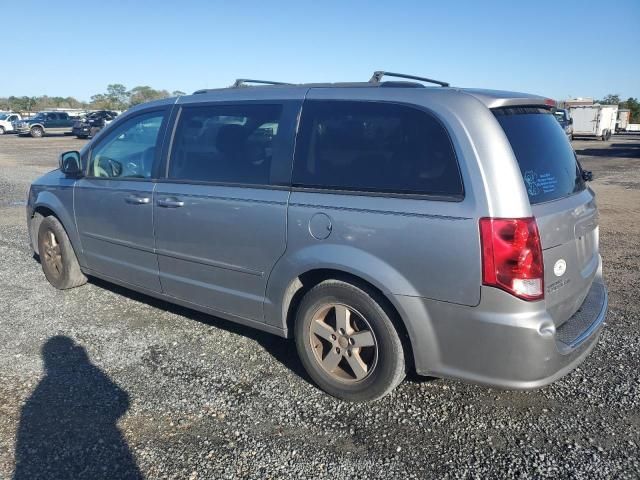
(165, 392)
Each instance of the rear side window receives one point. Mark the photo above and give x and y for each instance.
(374, 147)
(548, 164)
(225, 143)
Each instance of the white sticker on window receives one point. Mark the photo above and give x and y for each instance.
(539, 183)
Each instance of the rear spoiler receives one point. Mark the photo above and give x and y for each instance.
(497, 99)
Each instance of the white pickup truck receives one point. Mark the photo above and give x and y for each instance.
(6, 122)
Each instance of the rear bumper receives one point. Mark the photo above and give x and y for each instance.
(81, 131)
(514, 351)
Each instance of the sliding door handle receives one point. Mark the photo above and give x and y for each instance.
(170, 203)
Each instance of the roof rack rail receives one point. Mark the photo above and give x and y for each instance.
(241, 82)
(377, 77)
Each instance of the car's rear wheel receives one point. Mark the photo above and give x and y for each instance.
(37, 132)
(58, 260)
(347, 341)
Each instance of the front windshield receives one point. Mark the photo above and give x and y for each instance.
(3, 116)
(559, 116)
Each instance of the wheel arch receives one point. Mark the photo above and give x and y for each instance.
(47, 204)
(304, 282)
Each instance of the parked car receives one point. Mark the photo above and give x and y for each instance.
(384, 226)
(92, 123)
(7, 121)
(44, 123)
(565, 121)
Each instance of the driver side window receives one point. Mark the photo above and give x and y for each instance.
(129, 150)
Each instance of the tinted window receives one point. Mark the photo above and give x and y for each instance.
(129, 150)
(547, 162)
(225, 143)
(377, 147)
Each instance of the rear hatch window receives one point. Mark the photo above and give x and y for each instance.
(548, 164)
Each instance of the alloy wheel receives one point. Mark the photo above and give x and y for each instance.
(52, 254)
(343, 343)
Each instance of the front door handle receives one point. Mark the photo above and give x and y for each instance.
(135, 200)
(170, 203)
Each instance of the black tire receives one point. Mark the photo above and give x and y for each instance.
(2, 131)
(58, 260)
(608, 134)
(82, 137)
(37, 132)
(387, 368)
(94, 131)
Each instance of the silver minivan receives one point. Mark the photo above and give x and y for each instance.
(386, 226)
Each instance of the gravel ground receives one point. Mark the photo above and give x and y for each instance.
(136, 387)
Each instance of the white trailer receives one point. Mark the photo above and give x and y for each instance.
(624, 115)
(594, 120)
(614, 119)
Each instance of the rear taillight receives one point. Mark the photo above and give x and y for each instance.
(512, 256)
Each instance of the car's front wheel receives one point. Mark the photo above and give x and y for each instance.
(58, 260)
(347, 341)
(1, 130)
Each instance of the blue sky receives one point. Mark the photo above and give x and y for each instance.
(553, 48)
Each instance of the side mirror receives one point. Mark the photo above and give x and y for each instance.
(587, 175)
(571, 121)
(70, 163)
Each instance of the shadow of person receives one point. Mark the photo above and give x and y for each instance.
(68, 425)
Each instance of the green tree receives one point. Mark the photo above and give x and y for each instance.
(115, 98)
(100, 101)
(118, 96)
(23, 104)
(634, 106)
(72, 102)
(144, 93)
(611, 99)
